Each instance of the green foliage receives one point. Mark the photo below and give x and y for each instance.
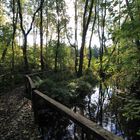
(79, 87)
(131, 113)
(132, 109)
(67, 90)
(90, 77)
(65, 59)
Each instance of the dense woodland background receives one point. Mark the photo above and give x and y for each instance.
(99, 40)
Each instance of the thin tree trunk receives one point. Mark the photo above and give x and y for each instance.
(85, 28)
(41, 36)
(26, 64)
(15, 18)
(101, 31)
(47, 30)
(58, 37)
(90, 51)
(57, 47)
(76, 41)
(34, 42)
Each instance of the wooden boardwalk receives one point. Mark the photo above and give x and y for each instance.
(89, 127)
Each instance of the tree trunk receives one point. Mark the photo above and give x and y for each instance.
(76, 41)
(26, 65)
(41, 36)
(47, 30)
(85, 28)
(58, 37)
(80, 70)
(34, 42)
(15, 18)
(101, 30)
(90, 51)
(57, 47)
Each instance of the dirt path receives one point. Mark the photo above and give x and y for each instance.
(16, 117)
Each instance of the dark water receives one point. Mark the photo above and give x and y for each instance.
(110, 120)
(60, 128)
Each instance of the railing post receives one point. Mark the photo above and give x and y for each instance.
(29, 89)
(34, 106)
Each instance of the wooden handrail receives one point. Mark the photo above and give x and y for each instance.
(87, 125)
(31, 82)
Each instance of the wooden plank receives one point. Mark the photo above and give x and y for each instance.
(89, 126)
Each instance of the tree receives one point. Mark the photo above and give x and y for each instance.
(25, 33)
(75, 44)
(58, 34)
(41, 35)
(76, 41)
(59, 26)
(86, 21)
(101, 33)
(14, 23)
(93, 26)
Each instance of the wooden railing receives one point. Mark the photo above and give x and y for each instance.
(88, 126)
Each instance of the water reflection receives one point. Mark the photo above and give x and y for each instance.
(97, 108)
(94, 106)
(99, 103)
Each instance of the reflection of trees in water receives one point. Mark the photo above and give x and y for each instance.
(99, 111)
(108, 112)
(100, 105)
(127, 127)
(105, 111)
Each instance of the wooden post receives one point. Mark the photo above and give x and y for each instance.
(34, 106)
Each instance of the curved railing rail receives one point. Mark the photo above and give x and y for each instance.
(88, 126)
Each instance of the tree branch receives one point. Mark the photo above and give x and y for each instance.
(33, 18)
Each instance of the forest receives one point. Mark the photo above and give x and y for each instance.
(84, 54)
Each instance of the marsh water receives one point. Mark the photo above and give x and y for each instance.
(94, 107)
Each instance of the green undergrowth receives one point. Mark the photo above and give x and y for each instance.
(65, 87)
(10, 81)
